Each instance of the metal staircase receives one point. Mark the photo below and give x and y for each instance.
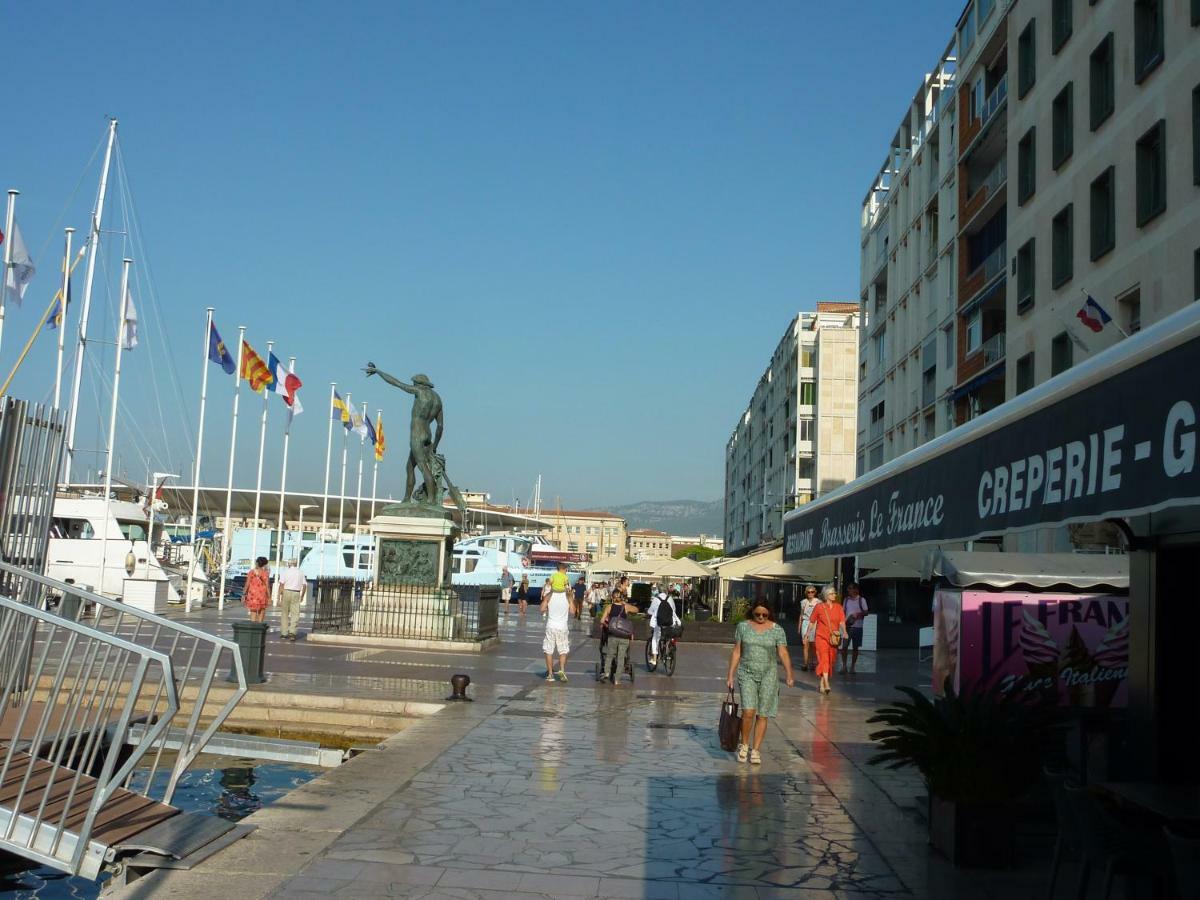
(76, 793)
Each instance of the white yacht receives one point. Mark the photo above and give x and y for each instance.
(481, 559)
(77, 531)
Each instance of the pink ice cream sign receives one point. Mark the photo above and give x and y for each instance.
(1074, 644)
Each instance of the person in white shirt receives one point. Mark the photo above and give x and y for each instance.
(662, 611)
(293, 587)
(856, 609)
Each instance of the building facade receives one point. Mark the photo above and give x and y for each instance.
(596, 533)
(797, 437)
(707, 541)
(646, 543)
(908, 260)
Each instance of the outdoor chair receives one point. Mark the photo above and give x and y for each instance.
(1185, 864)
(1110, 844)
(1069, 839)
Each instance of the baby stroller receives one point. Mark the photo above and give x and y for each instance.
(600, 657)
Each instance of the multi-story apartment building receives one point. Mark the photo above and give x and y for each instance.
(596, 533)
(980, 324)
(1104, 115)
(646, 543)
(907, 354)
(796, 439)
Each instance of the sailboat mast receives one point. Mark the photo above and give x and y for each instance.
(85, 310)
(62, 322)
(8, 252)
(112, 423)
(208, 324)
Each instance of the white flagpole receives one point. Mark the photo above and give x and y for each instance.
(262, 443)
(187, 600)
(8, 251)
(325, 490)
(62, 325)
(375, 476)
(362, 440)
(226, 549)
(287, 437)
(112, 422)
(342, 490)
(93, 245)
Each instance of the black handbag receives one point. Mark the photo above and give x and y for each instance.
(730, 728)
(620, 626)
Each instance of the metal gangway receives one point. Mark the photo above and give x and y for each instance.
(78, 673)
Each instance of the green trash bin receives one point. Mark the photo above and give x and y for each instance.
(68, 606)
(251, 638)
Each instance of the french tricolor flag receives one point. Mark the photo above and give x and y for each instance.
(1092, 315)
(286, 383)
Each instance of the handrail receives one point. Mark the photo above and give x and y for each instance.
(85, 689)
(78, 724)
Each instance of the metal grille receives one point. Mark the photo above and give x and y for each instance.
(464, 613)
(31, 449)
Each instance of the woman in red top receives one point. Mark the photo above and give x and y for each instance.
(830, 619)
(258, 590)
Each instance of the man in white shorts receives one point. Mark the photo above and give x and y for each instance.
(557, 609)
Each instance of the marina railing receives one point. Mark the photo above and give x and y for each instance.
(461, 613)
(79, 678)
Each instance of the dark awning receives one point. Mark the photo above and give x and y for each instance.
(1112, 437)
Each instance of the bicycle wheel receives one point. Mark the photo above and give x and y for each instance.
(669, 658)
(650, 667)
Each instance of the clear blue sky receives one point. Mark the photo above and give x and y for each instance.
(588, 223)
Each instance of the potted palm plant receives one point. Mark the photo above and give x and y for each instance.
(979, 752)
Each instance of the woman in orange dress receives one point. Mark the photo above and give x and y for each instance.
(258, 590)
(830, 619)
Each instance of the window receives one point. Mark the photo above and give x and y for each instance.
(1061, 355)
(1027, 166)
(1147, 37)
(985, 9)
(1026, 60)
(1196, 274)
(1101, 82)
(132, 531)
(805, 427)
(1195, 12)
(949, 346)
(808, 393)
(808, 357)
(1025, 277)
(1196, 135)
(1130, 310)
(1062, 132)
(1152, 173)
(966, 33)
(572, 546)
(1024, 373)
(974, 331)
(1062, 245)
(1060, 23)
(1104, 214)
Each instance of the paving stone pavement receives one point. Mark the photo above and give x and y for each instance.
(586, 790)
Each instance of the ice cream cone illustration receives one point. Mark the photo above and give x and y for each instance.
(1081, 664)
(1112, 654)
(1040, 652)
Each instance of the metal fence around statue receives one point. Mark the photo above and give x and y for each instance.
(464, 613)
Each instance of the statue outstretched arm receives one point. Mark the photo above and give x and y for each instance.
(390, 379)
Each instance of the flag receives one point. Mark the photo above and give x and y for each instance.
(380, 444)
(356, 422)
(340, 413)
(286, 383)
(370, 428)
(1092, 315)
(129, 335)
(254, 370)
(218, 352)
(55, 318)
(20, 268)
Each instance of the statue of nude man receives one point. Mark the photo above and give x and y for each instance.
(427, 409)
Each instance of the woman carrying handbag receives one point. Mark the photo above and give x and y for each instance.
(830, 620)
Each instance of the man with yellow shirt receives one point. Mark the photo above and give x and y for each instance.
(557, 608)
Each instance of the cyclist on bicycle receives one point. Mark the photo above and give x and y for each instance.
(663, 612)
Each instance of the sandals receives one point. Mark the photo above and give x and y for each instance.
(742, 752)
(755, 758)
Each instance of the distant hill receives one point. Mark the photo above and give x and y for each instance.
(675, 516)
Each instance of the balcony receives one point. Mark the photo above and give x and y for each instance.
(928, 393)
(989, 187)
(993, 349)
(994, 100)
(982, 275)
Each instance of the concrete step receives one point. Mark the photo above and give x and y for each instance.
(328, 718)
(343, 738)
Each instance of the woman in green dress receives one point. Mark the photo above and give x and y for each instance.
(757, 643)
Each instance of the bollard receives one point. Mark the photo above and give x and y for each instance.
(458, 684)
(251, 638)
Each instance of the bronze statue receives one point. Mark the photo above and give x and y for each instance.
(423, 443)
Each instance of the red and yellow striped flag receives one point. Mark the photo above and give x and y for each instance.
(380, 445)
(254, 371)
